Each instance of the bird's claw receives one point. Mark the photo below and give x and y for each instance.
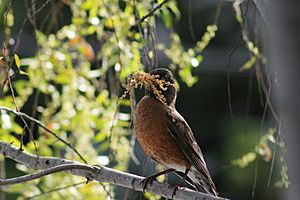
(176, 188)
(97, 169)
(148, 180)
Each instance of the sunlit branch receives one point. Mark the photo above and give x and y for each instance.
(50, 165)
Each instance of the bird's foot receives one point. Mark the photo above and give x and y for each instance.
(148, 180)
(97, 168)
(179, 186)
(91, 176)
(153, 177)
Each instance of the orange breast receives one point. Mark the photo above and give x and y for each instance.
(152, 133)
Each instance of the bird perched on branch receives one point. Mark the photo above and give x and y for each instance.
(166, 137)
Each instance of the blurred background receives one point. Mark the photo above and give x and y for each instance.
(78, 53)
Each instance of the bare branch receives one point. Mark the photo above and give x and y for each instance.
(45, 172)
(101, 174)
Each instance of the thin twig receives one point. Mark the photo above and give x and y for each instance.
(255, 179)
(20, 114)
(28, 16)
(232, 51)
(114, 32)
(274, 155)
(152, 11)
(106, 190)
(190, 21)
(56, 190)
(45, 172)
(218, 12)
(133, 137)
(4, 24)
(23, 120)
(137, 17)
(248, 104)
(262, 8)
(34, 108)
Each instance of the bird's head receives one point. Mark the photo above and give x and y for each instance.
(168, 89)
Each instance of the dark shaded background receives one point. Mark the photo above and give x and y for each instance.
(222, 136)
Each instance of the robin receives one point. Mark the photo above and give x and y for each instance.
(165, 136)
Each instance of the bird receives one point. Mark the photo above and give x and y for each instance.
(166, 137)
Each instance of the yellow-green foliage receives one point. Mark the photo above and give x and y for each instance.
(264, 150)
(78, 88)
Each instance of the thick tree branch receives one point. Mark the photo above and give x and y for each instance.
(101, 174)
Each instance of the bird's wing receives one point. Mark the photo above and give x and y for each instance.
(185, 139)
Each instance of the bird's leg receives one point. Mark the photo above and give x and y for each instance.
(150, 179)
(182, 181)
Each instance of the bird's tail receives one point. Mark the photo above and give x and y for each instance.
(202, 182)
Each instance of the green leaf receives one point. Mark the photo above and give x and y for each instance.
(244, 160)
(17, 60)
(167, 18)
(248, 64)
(173, 7)
(199, 58)
(23, 73)
(239, 18)
(186, 75)
(94, 9)
(100, 137)
(272, 139)
(77, 20)
(87, 5)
